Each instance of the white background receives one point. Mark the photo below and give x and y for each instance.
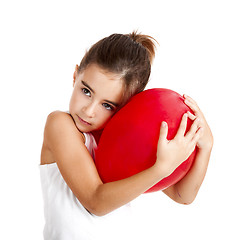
(199, 54)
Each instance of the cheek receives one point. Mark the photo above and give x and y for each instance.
(105, 117)
(76, 100)
(72, 102)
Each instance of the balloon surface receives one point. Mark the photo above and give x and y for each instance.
(128, 144)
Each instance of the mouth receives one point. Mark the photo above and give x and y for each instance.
(83, 121)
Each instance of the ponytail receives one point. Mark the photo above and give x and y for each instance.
(146, 41)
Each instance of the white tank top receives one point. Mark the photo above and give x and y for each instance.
(66, 218)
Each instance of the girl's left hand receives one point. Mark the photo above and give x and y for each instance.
(206, 141)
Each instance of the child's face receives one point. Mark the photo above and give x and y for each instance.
(95, 98)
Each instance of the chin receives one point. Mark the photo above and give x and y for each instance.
(84, 129)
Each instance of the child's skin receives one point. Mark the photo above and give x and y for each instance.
(186, 190)
(96, 96)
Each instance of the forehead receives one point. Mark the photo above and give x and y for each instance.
(106, 85)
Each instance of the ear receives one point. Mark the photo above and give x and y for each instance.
(75, 74)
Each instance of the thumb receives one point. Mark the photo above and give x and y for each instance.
(163, 132)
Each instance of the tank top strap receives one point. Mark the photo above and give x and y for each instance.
(90, 143)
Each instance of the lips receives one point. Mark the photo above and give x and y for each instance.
(83, 121)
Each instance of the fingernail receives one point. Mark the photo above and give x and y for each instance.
(164, 124)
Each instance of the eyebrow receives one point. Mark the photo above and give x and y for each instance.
(108, 101)
(113, 103)
(86, 85)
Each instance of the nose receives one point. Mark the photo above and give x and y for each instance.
(90, 110)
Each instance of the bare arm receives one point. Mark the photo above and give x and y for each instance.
(185, 191)
(79, 171)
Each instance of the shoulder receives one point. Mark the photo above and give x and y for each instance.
(60, 124)
(58, 116)
(60, 120)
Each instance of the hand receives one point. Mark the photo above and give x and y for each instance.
(206, 140)
(170, 154)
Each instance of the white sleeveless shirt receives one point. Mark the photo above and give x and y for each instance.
(66, 218)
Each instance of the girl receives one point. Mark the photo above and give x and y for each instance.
(111, 72)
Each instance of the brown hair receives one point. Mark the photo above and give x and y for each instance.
(129, 55)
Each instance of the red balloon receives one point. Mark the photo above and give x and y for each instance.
(128, 144)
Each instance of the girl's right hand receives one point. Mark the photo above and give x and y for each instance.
(170, 154)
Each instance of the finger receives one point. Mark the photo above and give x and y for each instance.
(193, 129)
(183, 125)
(197, 136)
(163, 132)
(192, 105)
(191, 116)
(189, 99)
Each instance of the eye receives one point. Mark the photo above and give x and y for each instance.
(108, 106)
(86, 92)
